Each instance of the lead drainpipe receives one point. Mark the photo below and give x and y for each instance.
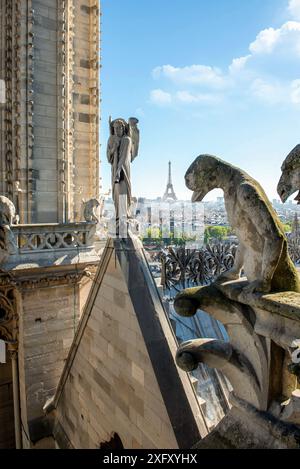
(13, 351)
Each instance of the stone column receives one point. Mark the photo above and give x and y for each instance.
(13, 352)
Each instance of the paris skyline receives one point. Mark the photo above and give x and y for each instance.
(202, 77)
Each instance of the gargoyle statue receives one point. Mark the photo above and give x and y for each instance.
(290, 178)
(7, 218)
(262, 251)
(89, 210)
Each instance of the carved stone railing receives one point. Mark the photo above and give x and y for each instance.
(53, 236)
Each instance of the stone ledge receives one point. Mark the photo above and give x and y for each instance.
(286, 304)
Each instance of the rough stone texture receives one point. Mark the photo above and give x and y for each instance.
(261, 318)
(48, 323)
(7, 437)
(290, 178)
(7, 218)
(49, 58)
(110, 383)
(44, 287)
(245, 429)
(49, 162)
(122, 149)
(262, 250)
(257, 361)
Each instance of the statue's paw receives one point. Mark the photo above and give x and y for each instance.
(258, 286)
(185, 306)
(186, 360)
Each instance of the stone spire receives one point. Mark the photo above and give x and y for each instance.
(169, 193)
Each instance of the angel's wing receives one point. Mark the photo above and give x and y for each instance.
(135, 136)
(110, 125)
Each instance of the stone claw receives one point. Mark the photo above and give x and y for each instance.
(258, 286)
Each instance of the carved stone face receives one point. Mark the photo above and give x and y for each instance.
(285, 188)
(201, 177)
(118, 129)
(289, 182)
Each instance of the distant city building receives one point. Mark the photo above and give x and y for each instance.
(296, 228)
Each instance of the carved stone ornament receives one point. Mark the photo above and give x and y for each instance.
(8, 315)
(290, 179)
(263, 248)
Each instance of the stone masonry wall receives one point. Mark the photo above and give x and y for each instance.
(49, 125)
(45, 120)
(111, 386)
(49, 318)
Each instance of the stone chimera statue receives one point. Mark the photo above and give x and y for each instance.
(8, 217)
(262, 250)
(290, 178)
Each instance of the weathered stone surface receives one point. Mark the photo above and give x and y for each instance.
(257, 362)
(8, 244)
(262, 318)
(113, 380)
(290, 178)
(49, 54)
(246, 428)
(122, 149)
(262, 251)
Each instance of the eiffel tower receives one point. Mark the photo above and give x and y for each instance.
(169, 193)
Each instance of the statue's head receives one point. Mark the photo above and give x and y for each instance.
(92, 203)
(133, 121)
(202, 176)
(289, 182)
(119, 127)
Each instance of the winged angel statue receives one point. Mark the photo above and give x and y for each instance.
(122, 149)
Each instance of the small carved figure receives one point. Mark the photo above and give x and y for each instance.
(89, 210)
(122, 149)
(262, 251)
(7, 218)
(290, 178)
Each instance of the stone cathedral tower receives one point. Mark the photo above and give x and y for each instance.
(49, 163)
(49, 151)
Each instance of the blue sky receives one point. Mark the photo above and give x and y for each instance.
(218, 76)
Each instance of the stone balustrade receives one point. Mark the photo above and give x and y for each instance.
(53, 236)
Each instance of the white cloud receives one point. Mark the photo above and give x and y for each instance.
(193, 75)
(295, 92)
(265, 41)
(272, 93)
(276, 92)
(294, 8)
(269, 72)
(238, 64)
(286, 38)
(160, 97)
(189, 98)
